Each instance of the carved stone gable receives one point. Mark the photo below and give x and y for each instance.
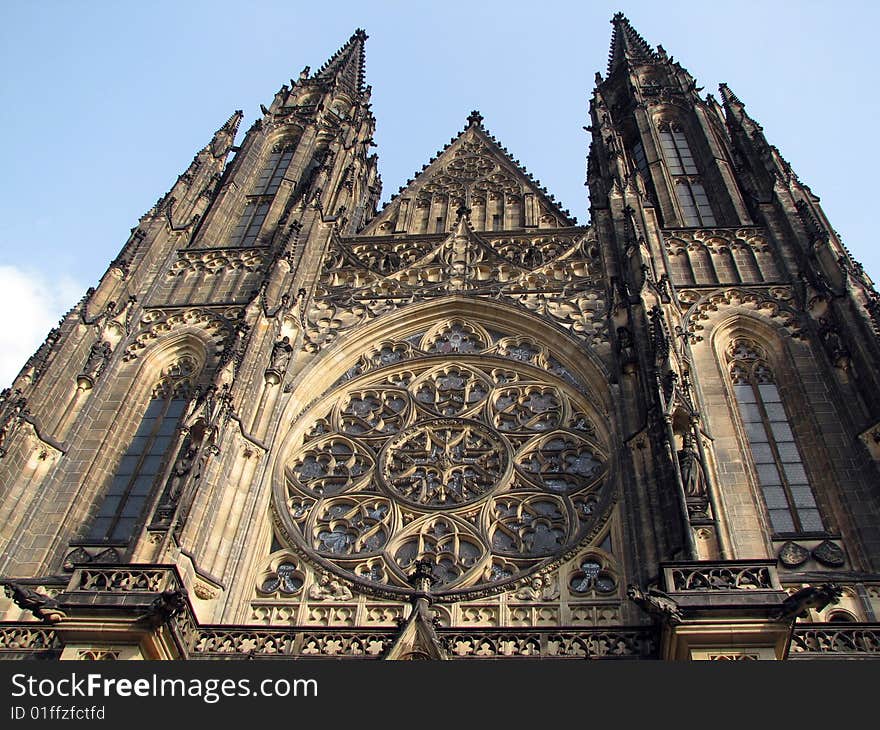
(474, 172)
(556, 275)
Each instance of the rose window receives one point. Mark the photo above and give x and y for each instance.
(486, 465)
(444, 463)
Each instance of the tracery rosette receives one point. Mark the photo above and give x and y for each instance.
(477, 452)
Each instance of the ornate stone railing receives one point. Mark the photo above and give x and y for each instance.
(24, 641)
(721, 576)
(123, 580)
(622, 643)
(631, 643)
(215, 643)
(838, 641)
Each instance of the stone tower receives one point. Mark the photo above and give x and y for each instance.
(288, 423)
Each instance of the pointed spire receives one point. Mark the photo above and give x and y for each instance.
(735, 110)
(729, 99)
(475, 119)
(626, 43)
(225, 136)
(346, 67)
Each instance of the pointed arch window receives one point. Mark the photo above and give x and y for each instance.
(250, 223)
(640, 159)
(274, 169)
(689, 191)
(257, 207)
(125, 502)
(694, 202)
(788, 497)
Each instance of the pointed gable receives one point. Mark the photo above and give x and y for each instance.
(475, 172)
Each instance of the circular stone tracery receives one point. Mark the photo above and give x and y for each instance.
(483, 464)
(444, 463)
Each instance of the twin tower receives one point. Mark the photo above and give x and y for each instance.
(287, 422)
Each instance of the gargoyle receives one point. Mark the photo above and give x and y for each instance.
(39, 604)
(817, 597)
(165, 607)
(656, 603)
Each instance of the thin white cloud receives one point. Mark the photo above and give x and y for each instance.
(30, 306)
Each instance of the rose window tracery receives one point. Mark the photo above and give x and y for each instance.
(487, 466)
(444, 462)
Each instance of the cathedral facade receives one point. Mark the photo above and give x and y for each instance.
(290, 423)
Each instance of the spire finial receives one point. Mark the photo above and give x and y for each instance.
(626, 44)
(727, 96)
(475, 118)
(346, 67)
(422, 577)
(225, 136)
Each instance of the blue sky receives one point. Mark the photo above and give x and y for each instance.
(103, 104)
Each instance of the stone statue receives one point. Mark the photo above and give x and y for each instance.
(280, 355)
(539, 588)
(328, 588)
(99, 354)
(692, 474)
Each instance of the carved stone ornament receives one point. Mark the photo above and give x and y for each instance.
(204, 591)
(829, 554)
(792, 555)
(278, 361)
(553, 276)
(99, 355)
(490, 470)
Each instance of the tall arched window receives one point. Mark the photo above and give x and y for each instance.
(124, 504)
(257, 206)
(689, 191)
(787, 494)
(273, 171)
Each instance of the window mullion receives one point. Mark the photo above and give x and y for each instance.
(138, 468)
(777, 457)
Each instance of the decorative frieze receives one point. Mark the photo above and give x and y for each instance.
(213, 261)
(219, 322)
(720, 256)
(552, 276)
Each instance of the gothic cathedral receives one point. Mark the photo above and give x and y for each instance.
(288, 422)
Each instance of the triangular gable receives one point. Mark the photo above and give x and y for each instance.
(417, 638)
(475, 172)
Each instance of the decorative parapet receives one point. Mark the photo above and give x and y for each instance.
(622, 643)
(28, 641)
(123, 580)
(220, 643)
(835, 641)
(149, 597)
(721, 576)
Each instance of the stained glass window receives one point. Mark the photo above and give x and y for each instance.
(784, 484)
